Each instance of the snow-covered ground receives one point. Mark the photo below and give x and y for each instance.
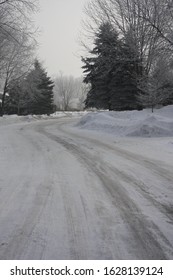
(98, 186)
(131, 123)
(141, 131)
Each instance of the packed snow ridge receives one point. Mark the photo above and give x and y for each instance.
(131, 123)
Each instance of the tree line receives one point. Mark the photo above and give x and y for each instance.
(130, 65)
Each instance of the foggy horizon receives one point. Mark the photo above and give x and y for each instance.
(59, 24)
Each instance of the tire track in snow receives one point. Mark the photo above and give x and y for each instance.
(154, 166)
(17, 241)
(143, 239)
(140, 228)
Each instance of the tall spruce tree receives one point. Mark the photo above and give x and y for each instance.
(31, 94)
(39, 91)
(124, 82)
(98, 68)
(112, 71)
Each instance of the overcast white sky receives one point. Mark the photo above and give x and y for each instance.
(60, 24)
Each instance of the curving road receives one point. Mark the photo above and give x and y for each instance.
(66, 195)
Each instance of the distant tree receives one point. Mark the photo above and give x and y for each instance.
(64, 92)
(81, 90)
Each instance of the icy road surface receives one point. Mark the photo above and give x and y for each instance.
(66, 193)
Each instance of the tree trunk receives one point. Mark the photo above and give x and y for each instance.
(18, 104)
(18, 109)
(3, 103)
(3, 99)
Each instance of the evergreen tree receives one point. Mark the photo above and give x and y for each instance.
(124, 82)
(15, 102)
(39, 91)
(112, 71)
(98, 68)
(31, 94)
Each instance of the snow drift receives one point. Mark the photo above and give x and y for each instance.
(131, 123)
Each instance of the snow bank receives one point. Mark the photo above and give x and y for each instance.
(10, 119)
(131, 123)
(126, 123)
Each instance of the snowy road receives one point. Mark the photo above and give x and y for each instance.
(69, 194)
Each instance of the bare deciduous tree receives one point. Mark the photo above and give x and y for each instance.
(159, 15)
(69, 93)
(16, 64)
(152, 95)
(63, 92)
(156, 89)
(81, 91)
(15, 18)
(16, 39)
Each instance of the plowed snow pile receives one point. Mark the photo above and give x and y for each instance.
(131, 123)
